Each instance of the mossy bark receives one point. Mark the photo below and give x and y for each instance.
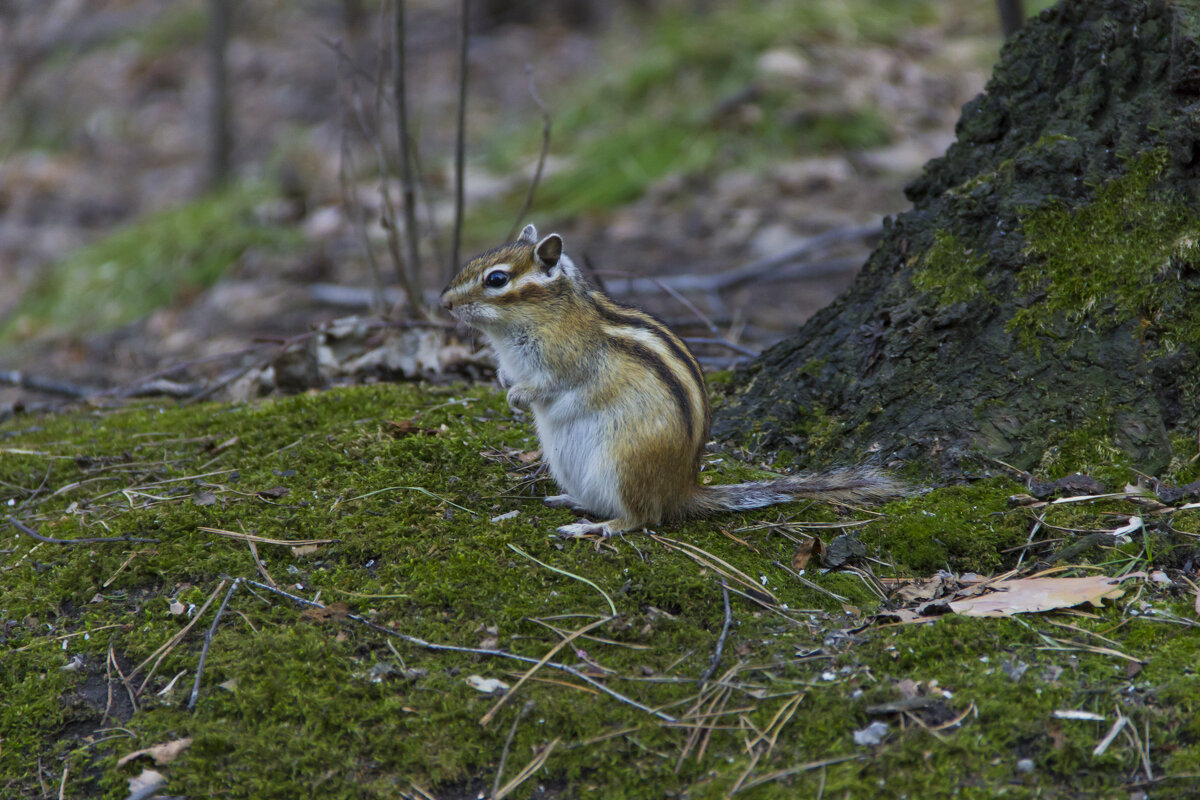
(1045, 286)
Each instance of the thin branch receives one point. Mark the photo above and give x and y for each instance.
(32, 534)
(508, 744)
(46, 385)
(407, 186)
(541, 162)
(349, 195)
(449, 648)
(208, 637)
(219, 137)
(460, 141)
(780, 266)
(716, 658)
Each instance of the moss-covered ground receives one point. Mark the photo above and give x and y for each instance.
(408, 482)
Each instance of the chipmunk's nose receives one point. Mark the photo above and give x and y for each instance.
(447, 303)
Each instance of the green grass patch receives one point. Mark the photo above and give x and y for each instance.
(148, 264)
(653, 110)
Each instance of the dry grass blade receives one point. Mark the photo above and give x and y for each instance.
(249, 537)
(716, 564)
(612, 606)
(512, 731)
(208, 637)
(448, 648)
(158, 655)
(66, 636)
(486, 718)
(528, 771)
(796, 770)
(1116, 728)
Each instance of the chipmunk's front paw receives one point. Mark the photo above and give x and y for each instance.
(585, 529)
(565, 501)
(520, 397)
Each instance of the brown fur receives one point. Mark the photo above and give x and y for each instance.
(641, 381)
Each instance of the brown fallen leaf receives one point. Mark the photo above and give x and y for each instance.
(1025, 595)
(529, 456)
(305, 549)
(806, 550)
(921, 590)
(333, 611)
(406, 427)
(274, 493)
(163, 753)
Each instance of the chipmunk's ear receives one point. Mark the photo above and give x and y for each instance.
(528, 235)
(549, 251)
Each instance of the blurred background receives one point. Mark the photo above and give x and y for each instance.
(185, 181)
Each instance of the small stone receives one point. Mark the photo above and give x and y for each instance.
(1025, 766)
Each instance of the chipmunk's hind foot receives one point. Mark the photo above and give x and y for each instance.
(588, 529)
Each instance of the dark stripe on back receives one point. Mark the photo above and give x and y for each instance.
(645, 355)
(611, 312)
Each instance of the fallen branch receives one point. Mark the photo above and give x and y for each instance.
(716, 658)
(449, 648)
(36, 383)
(32, 534)
(208, 637)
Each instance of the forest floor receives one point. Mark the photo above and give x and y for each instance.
(683, 147)
(356, 592)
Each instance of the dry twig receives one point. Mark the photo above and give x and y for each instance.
(449, 648)
(527, 203)
(716, 658)
(212, 630)
(32, 534)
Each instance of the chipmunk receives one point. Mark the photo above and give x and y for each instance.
(618, 400)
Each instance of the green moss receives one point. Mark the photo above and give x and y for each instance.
(1118, 258)
(950, 270)
(958, 528)
(287, 701)
(148, 264)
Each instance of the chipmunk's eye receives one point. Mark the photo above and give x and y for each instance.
(496, 278)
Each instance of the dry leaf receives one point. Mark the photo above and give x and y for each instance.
(333, 611)
(486, 685)
(406, 427)
(177, 607)
(1024, 595)
(305, 549)
(274, 493)
(922, 590)
(145, 785)
(806, 550)
(204, 498)
(163, 753)
(529, 456)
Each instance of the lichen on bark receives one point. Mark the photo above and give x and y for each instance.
(1046, 280)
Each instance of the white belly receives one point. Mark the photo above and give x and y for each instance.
(573, 445)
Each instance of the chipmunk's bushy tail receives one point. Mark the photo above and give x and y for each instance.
(849, 485)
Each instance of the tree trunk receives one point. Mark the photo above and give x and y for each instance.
(1044, 290)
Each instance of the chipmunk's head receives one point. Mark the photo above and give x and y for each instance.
(507, 284)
